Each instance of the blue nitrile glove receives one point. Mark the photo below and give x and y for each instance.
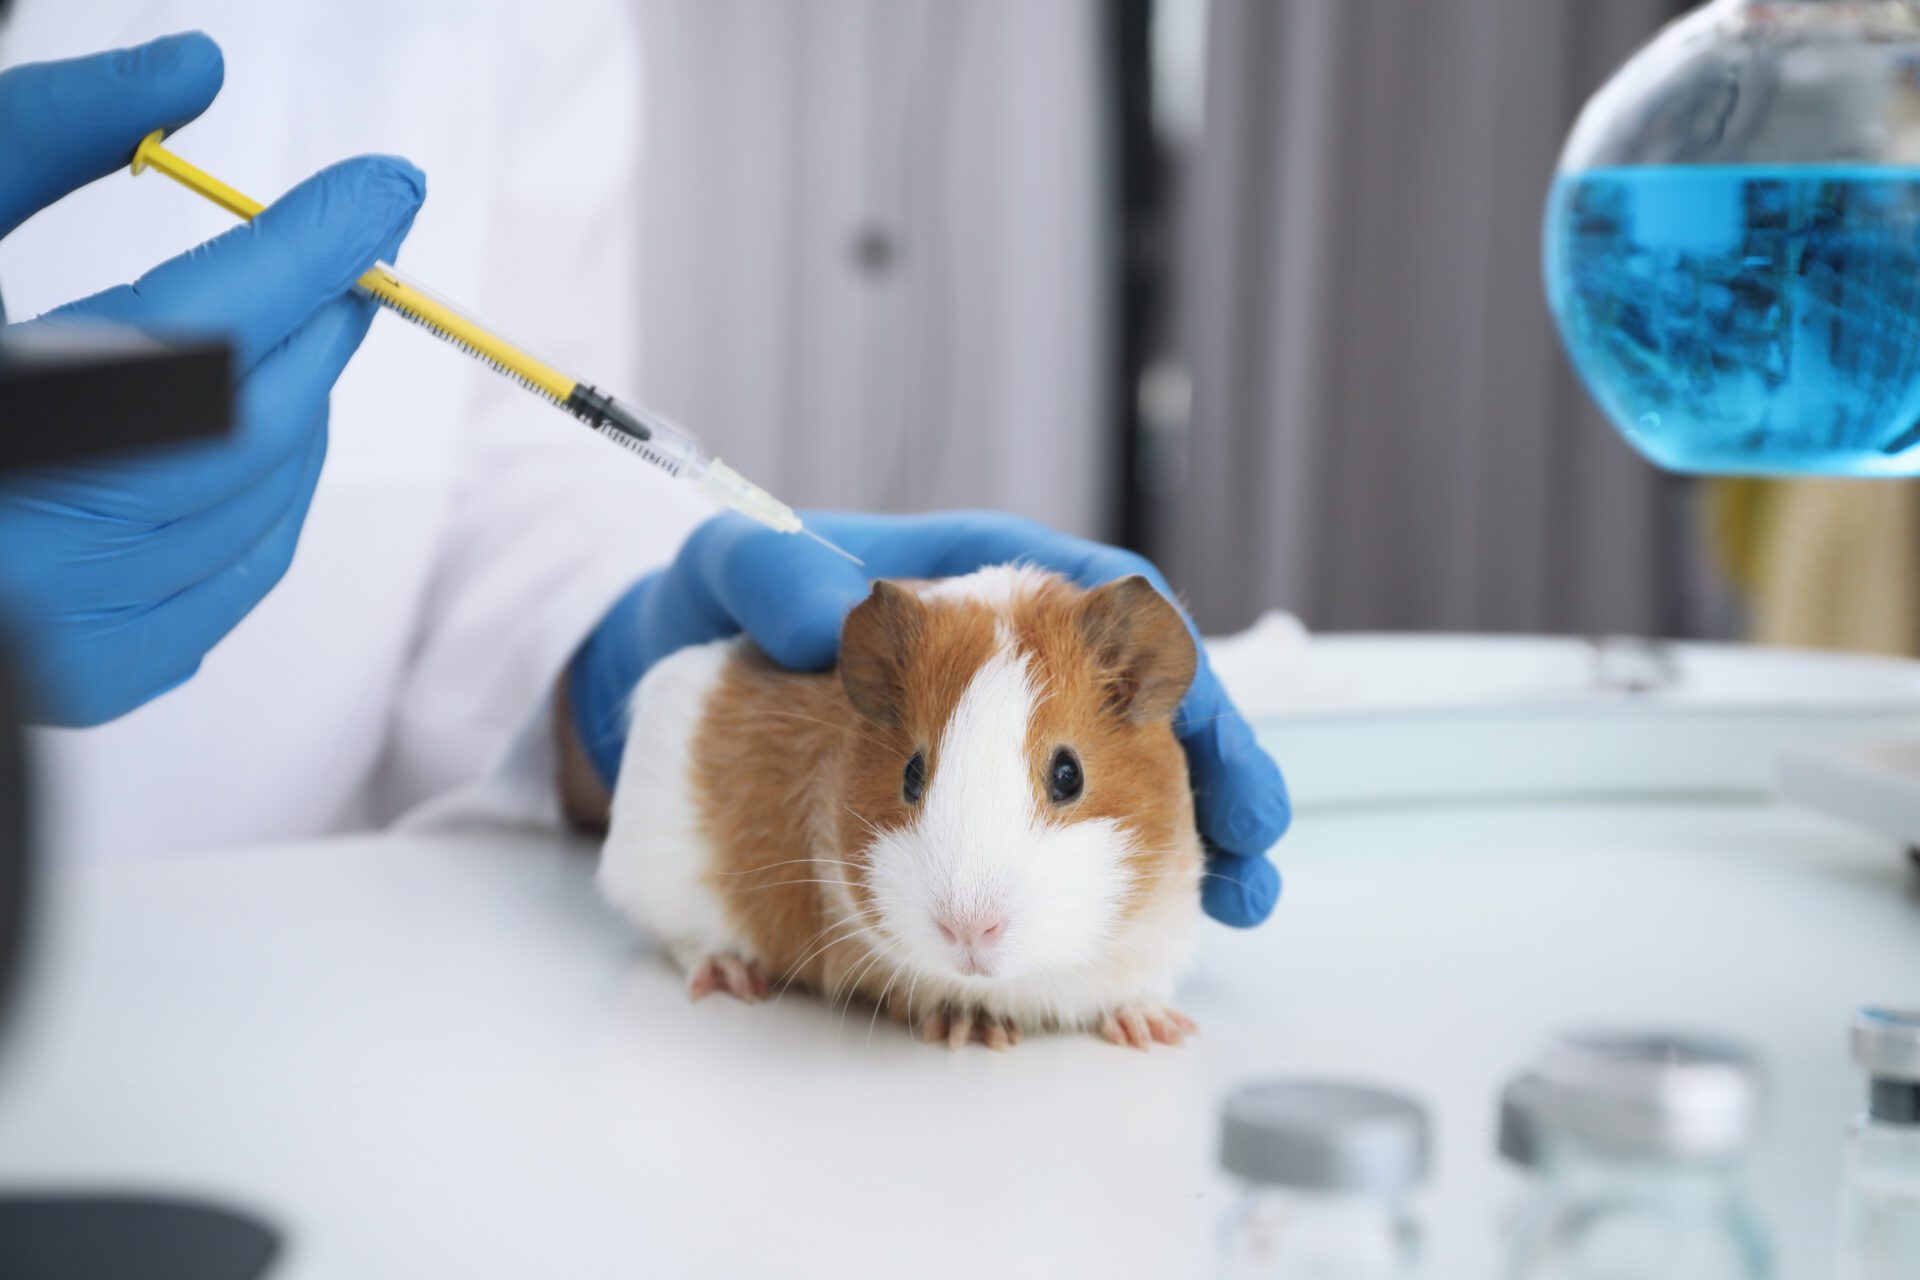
(118, 576)
(791, 596)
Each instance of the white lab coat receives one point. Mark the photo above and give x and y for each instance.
(465, 536)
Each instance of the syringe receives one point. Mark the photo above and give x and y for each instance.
(637, 430)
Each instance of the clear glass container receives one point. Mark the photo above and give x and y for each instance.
(1636, 1146)
(1603, 1217)
(1732, 242)
(1882, 1211)
(1277, 1234)
(1328, 1173)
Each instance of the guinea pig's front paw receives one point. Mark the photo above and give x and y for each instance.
(741, 979)
(961, 1027)
(1135, 1026)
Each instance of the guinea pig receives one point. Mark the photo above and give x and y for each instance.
(981, 823)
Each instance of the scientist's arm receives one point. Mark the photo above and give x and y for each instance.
(791, 597)
(119, 576)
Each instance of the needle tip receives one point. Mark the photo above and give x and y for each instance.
(837, 550)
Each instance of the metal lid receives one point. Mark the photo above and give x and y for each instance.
(1886, 1044)
(1649, 1096)
(1326, 1136)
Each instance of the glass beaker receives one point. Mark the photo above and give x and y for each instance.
(1732, 242)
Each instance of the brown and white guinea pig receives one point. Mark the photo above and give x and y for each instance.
(981, 823)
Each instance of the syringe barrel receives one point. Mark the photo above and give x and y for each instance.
(675, 452)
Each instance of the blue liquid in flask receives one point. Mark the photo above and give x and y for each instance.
(1746, 320)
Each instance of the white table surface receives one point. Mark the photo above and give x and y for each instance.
(443, 1057)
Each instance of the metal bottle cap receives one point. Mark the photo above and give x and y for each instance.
(1326, 1136)
(1886, 1044)
(1645, 1096)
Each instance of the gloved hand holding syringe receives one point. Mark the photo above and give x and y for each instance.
(637, 430)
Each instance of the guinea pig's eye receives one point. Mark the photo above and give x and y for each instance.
(1064, 780)
(914, 781)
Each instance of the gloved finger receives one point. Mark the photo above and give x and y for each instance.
(186, 625)
(1239, 795)
(142, 562)
(279, 405)
(788, 593)
(260, 281)
(791, 595)
(63, 124)
(685, 609)
(1239, 891)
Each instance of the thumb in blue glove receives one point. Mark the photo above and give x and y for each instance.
(119, 576)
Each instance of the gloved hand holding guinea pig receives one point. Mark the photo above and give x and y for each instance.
(982, 822)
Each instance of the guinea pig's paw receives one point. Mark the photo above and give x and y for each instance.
(741, 979)
(1135, 1026)
(961, 1027)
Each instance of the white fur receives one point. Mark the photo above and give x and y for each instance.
(982, 846)
(653, 864)
(996, 587)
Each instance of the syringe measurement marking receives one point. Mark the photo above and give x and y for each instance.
(625, 439)
(672, 466)
(414, 317)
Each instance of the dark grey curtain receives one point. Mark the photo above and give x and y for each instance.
(1384, 433)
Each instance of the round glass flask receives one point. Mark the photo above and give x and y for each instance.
(1732, 242)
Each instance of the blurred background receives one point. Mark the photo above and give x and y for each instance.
(1252, 286)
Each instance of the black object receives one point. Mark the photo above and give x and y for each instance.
(1895, 1102)
(1137, 268)
(92, 1238)
(65, 397)
(86, 394)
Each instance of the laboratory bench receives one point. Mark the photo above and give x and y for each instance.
(441, 1054)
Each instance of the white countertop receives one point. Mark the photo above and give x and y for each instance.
(442, 1057)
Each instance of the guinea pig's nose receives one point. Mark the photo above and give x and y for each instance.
(972, 932)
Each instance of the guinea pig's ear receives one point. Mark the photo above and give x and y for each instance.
(1142, 644)
(879, 634)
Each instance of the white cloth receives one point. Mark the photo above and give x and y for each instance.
(465, 537)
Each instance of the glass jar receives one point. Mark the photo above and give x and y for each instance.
(1635, 1145)
(1328, 1174)
(1732, 242)
(1882, 1215)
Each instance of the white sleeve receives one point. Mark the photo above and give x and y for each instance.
(549, 524)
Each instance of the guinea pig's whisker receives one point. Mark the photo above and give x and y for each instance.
(844, 929)
(793, 862)
(854, 729)
(782, 884)
(850, 987)
(851, 929)
(913, 984)
(853, 984)
(866, 822)
(880, 1004)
